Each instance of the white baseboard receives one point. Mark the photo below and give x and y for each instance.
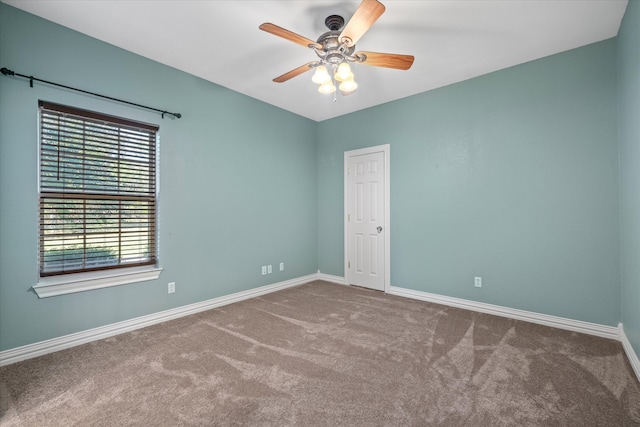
(333, 279)
(542, 319)
(610, 332)
(631, 354)
(29, 351)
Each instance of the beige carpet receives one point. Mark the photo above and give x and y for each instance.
(328, 355)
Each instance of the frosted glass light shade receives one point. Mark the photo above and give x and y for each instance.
(344, 72)
(347, 87)
(326, 88)
(321, 76)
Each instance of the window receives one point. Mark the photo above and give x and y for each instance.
(97, 192)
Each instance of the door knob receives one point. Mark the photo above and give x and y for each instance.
(379, 229)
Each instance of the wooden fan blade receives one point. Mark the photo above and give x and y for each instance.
(289, 35)
(366, 14)
(291, 74)
(388, 60)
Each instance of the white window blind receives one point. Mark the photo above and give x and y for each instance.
(97, 191)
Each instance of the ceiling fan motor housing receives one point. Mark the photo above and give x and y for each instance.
(333, 51)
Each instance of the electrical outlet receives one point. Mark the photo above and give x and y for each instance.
(478, 282)
(264, 270)
(171, 288)
(282, 266)
(269, 269)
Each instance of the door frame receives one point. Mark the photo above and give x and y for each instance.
(385, 149)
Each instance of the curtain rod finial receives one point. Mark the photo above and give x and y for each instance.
(7, 72)
(173, 115)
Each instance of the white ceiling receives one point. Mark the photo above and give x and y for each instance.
(451, 40)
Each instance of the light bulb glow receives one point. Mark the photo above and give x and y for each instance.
(321, 76)
(327, 88)
(348, 86)
(344, 72)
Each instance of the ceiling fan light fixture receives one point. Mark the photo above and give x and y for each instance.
(344, 72)
(327, 88)
(321, 76)
(337, 47)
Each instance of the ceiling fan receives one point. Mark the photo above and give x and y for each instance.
(336, 49)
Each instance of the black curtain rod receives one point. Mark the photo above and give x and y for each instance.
(7, 72)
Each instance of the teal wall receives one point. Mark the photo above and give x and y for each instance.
(228, 203)
(629, 128)
(511, 176)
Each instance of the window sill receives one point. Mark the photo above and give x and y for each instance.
(80, 282)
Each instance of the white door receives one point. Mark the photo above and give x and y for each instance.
(366, 244)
